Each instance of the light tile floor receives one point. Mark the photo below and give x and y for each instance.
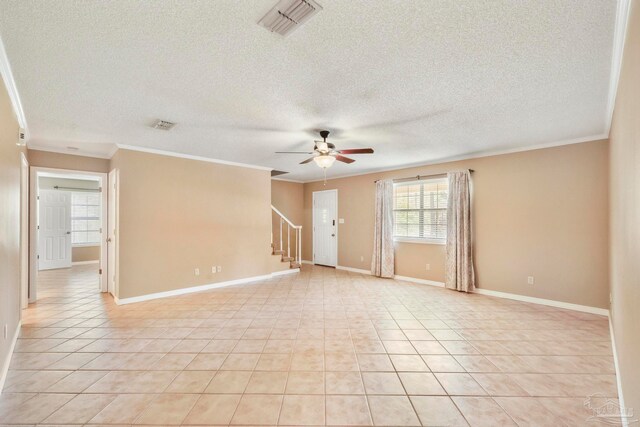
(319, 347)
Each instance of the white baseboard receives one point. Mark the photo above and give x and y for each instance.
(97, 261)
(542, 301)
(306, 261)
(190, 290)
(421, 281)
(7, 361)
(283, 272)
(353, 270)
(488, 292)
(396, 277)
(625, 421)
(200, 288)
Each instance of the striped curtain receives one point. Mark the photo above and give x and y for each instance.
(382, 264)
(459, 274)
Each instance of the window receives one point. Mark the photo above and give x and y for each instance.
(420, 210)
(85, 218)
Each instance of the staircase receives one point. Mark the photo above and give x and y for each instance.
(285, 235)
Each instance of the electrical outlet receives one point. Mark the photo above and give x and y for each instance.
(219, 268)
(530, 280)
(428, 267)
(341, 221)
(196, 272)
(213, 269)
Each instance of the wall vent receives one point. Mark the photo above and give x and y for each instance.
(287, 15)
(163, 125)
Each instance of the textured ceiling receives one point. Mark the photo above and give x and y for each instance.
(419, 81)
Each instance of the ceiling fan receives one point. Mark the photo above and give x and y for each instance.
(325, 153)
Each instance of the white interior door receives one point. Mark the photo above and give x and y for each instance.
(111, 231)
(325, 227)
(54, 229)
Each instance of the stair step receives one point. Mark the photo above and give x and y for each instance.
(295, 265)
(278, 252)
(287, 258)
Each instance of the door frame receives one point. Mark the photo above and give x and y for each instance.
(113, 188)
(24, 231)
(313, 222)
(34, 171)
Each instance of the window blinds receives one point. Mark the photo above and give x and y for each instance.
(420, 209)
(85, 218)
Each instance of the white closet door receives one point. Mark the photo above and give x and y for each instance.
(54, 229)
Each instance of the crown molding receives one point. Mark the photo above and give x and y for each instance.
(190, 157)
(79, 153)
(12, 90)
(287, 180)
(476, 155)
(619, 36)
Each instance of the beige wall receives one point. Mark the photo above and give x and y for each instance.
(625, 215)
(540, 213)
(85, 253)
(9, 224)
(48, 159)
(176, 215)
(287, 198)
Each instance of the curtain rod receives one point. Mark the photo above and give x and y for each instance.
(92, 190)
(419, 177)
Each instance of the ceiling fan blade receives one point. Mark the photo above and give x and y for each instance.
(344, 159)
(356, 151)
(307, 161)
(294, 152)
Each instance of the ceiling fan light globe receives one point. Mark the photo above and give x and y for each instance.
(324, 161)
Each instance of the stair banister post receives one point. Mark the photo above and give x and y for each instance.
(300, 246)
(288, 241)
(281, 233)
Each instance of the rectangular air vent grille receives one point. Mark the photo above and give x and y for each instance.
(163, 125)
(288, 15)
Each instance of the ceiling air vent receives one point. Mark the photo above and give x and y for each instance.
(287, 15)
(163, 125)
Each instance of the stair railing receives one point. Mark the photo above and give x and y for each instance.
(297, 234)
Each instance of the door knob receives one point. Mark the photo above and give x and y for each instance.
(68, 232)
(333, 235)
(108, 239)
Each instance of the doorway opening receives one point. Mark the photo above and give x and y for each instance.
(68, 216)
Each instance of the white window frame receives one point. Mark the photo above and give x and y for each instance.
(420, 240)
(88, 244)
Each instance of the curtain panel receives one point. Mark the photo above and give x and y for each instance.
(382, 264)
(459, 271)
